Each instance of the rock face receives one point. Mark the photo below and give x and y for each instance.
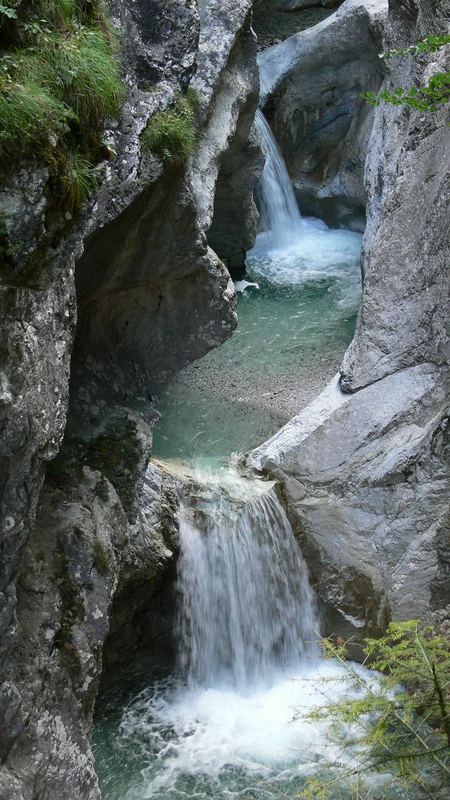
(313, 84)
(298, 5)
(366, 475)
(404, 315)
(234, 201)
(366, 481)
(136, 279)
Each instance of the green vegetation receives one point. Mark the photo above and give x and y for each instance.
(429, 97)
(100, 557)
(116, 454)
(59, 82)
(72, 606)
(395, 725)
(78, 177)
(173, 134)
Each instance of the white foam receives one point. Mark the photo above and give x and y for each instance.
(215, 731)
(241, 286)
(319, 252)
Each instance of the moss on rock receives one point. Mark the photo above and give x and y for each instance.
(117, 454)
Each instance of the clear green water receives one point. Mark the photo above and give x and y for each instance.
(289, 341)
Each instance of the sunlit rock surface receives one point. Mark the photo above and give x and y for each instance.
(366, 483)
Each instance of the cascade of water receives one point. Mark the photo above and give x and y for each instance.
(279, 210)
(246, 608)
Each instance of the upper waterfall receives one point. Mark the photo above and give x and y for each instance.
(279, 210)
(246, 607)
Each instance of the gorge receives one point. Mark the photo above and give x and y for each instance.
(189, 494)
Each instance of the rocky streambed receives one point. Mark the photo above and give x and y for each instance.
(288, 344)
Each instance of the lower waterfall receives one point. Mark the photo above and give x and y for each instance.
(246, 609)
(224, 724)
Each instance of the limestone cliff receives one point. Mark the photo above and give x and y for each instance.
(96, 312)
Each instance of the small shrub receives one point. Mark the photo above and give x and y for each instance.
(173, 134)
(429, 97)
(400, 722)
(424, 98)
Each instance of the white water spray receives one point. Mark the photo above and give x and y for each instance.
(291, 249)
(245, 631)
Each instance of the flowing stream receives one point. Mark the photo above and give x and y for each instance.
(297, 310)
(224, 724)
(280, 214)
(234, 540)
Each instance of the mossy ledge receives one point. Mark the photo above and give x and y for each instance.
(59, 83)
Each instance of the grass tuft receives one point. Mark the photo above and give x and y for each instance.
(29, 112)
(86, 76)
(173, 134)
(77, 177)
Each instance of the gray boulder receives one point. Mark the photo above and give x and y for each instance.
(366, 483)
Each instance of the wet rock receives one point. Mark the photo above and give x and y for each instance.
(240, 171)
(142, 614)
(231, 221)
